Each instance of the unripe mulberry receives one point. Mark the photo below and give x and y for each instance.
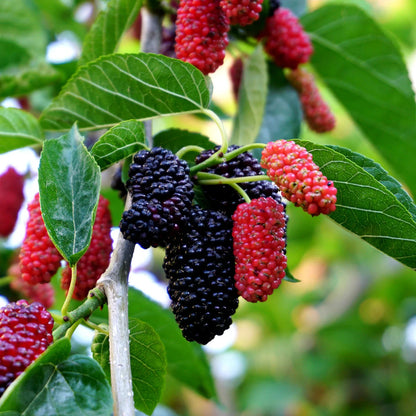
(285, 40)
(242, 12)
(259, 235)
(201, 34)
(200, 267)
(291, 167)
(316, 111)
(25, 332)
(39, 259)
(162, 194)
(225, 198)
(96, 259)
(11, 192)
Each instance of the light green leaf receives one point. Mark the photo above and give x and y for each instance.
(131, 86)
(69, 186)
(366, 72)
(119, 142)
(367, 206)
(108, 28)
(18, 129)
(252, 99)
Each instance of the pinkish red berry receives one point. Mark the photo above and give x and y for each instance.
(299, 179)
(25, 332)
(96, 259)
(259, 235)
(242, 12)
(201, 34)
(39, 259)
(285, 40)
(11, 191)
(236, 74)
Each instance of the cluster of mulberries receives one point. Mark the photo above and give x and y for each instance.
(199, 264)
(11, 191)
(162, 194)
(291, 167)
(223, 197)
(242, 12)
(96, 259)
(25, 332)
(316, 111)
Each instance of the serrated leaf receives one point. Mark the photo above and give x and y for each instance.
(251, 100)
(18, 129)
(186, 360)
(148, 363)
(69, 186)
(365, 70)
(119, 142)
(108, 28)
(131, 86)
(283, 113)
(366, 206)
(74, 386)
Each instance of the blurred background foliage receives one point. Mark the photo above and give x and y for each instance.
(341, 341)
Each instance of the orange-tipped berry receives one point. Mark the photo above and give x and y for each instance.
(25, 332)
(11, 191)
(259, 240)
(299, 179)
(242, 12)
(285, 40)
(96, 259)
(201, 34)
(316, 111)
(39, 259)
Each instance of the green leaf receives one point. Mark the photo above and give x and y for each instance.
(251, 100)
(298, 7)
(108, 28)
(289, 277)
(74, 386)
(119, 142)
(186, 360)
(18, 129)
(283, 113)
(69, 186)
(148, 363)
(365, 70)
(366, 206)
(131, 86)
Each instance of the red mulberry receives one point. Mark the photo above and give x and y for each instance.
(259, 235)
(201, 34)
(236, 74)
(242, 12)
(291, 167)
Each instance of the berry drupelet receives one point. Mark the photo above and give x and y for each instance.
(25, 332)
(200, 267)
(162, 194)
(291, 167)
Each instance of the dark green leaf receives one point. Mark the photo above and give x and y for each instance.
(251, 99)
(18, 129)
(52, 386)
(119, 142)
(289, 277)
(130, 86)
(186, 360)
(365, 70)
(108, 28)
(366, 206)
(69, 186)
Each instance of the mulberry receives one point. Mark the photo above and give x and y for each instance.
(201, 34)
(11, 191)
(242, 12)
(96, 259)
(259, 235)
(162, 194)
(200, 267)
(291, 167)
(39, 259)
(236, 74)
(25, 332)
(285, 40)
